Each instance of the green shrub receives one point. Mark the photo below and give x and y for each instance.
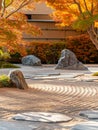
(4, 55)
(4, 64)
(4, 81)
(15, 58)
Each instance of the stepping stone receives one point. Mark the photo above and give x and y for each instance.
(86, 126)
(42, 117)
(90, 114)
(12, 125)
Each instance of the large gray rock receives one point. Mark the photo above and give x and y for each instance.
(17, 79)
(31, 60)
(42, 117)
(86, 126)
(68, 60)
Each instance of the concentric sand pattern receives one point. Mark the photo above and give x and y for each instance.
(49, 96)
(72, 96)
(67, 89)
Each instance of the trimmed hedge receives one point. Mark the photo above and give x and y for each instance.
(49, 52)
(84, 49)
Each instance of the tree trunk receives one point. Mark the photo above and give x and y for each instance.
(93, 36)
(0, 4)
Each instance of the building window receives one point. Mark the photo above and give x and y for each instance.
(29, 16)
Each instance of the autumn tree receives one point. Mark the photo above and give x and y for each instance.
(13, 23)
(79, 14)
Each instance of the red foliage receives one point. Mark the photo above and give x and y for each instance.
(83, 48)
(49, 52)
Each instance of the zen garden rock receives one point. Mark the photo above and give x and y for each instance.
(18, 79)
(90, 114)
(31, 60)
(42, 117)
(92, 124)
(69, 61)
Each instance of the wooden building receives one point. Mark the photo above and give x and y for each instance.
(40, 16)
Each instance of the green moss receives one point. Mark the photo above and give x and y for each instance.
(4, 64)
(4, 55)
(4, 81)
(95, 74)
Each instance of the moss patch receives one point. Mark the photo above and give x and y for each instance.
(4, 81)
(4, 64)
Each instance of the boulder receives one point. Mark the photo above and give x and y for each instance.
(68, 60)
(31, 60)
(17, 79)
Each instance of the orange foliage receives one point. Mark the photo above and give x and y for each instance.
(13, 23)
(83, 48)
(68, 11)
(79, 14)
(49, 52)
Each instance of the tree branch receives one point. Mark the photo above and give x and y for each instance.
(3, 8)
(79, 7)
(0, 4)
(92, 7)
(93, 35)
(24, 3)
(87, 7)
(92, 29)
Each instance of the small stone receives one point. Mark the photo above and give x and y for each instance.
(42, 117)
